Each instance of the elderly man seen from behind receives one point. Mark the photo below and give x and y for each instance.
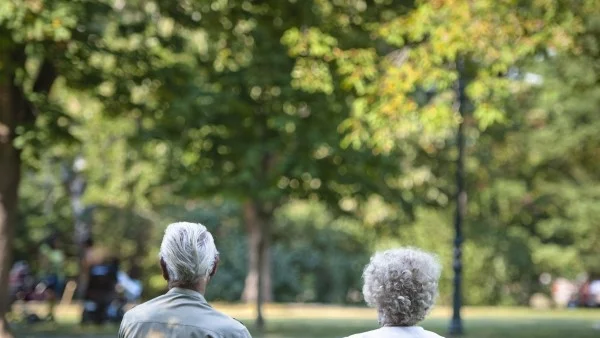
(188, 258)
(402, 284)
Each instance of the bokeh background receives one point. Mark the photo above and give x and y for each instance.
(307, 134)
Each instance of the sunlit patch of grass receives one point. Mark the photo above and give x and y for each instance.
(301, 321)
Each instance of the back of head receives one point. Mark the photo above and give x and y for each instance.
(189, 253)
(402, 285)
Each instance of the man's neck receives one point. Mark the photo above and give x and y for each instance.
(199, 287)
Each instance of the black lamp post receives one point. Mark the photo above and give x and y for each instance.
(456, 327)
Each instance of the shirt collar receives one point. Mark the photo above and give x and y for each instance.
(188, 292)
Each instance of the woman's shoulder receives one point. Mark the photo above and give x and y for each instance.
(430, 334)
(397, 332)
(368, 334)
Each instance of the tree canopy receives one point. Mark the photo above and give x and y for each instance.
(318, 130)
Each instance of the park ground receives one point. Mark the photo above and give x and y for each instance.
(300, 321)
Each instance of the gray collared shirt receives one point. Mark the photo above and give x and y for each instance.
(179, 313)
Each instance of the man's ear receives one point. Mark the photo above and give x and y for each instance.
(215, 267)
(163, 267)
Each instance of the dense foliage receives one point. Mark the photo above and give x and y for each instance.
(320, 130)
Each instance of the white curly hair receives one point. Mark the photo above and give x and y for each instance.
(189, 252)
(402, 284)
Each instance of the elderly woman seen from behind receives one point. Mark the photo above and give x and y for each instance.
(402, 284)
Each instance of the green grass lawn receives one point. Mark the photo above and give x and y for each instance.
(480, 323)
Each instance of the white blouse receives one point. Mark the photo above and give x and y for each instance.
(397, 332)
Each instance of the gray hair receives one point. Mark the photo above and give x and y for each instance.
(188, 251)
(402, 284)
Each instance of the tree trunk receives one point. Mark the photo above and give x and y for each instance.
(10, 165)
(9, 182)
(15, 110)
(258, 281)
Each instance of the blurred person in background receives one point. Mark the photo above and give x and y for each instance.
(23, 287)
(402, 284)
(131, 284)
(188, 260)
(92, 254)
(594, 292)
(20, 281)
(100, 270)
(128, 291)
(563, 291)
(583, 294)
(52, 260)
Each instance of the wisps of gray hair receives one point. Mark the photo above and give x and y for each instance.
(189, 252)
(402, 284)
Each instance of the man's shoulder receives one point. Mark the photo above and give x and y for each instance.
(144, 310)
(143, 306)
(221, 322)
(162, 310)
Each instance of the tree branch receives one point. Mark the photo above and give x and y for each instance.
(42, 85)
(46, 77)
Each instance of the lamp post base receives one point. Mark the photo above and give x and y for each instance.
(456, 328)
